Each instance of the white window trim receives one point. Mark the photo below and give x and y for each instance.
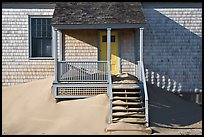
(30, 38)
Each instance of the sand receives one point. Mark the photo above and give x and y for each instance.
(170, 114)
(30, 109)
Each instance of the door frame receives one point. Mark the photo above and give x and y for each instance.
(119, 47)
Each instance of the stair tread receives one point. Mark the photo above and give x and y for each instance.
(124, 108)
(138, 92)
(133, 98)
(130, 120)
(126, 86)
(132, 114)
(120, 102)
(133, 119)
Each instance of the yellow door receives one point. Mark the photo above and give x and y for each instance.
(114, 50)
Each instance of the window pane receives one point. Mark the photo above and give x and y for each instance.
(33, 27)
(49, 33)
(112, 38)
(39, 21)
(49, 26)
(104, 38)
(44, 31)
(36, 47)
(47, 48)
(44, 21)
(38, 31)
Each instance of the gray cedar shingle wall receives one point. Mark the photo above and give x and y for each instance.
(16, 66)
(173, 46)
(127, 51)
(81, 45)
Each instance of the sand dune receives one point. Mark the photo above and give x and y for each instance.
(30, 109)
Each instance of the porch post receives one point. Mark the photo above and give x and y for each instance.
(60, 66)
(109, 71)
(109, 47)
(141, 52)
(109, 60)
(54, 43)
(141, 44)
(60, 43)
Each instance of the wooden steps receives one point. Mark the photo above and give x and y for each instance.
(128, 107)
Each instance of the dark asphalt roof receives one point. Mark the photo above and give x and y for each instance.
(88, 13)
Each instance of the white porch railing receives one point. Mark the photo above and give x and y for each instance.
(79, 71)
(141, 76)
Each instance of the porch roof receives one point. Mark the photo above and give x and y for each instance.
(98, 14)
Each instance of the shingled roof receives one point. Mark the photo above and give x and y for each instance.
(94, 13)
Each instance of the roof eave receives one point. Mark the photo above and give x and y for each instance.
(97, 26)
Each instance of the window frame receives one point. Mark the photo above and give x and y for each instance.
(30, 38)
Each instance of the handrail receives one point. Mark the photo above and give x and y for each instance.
(110, 92)
(145, 93)
(83, 61)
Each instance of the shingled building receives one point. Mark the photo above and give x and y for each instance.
(98, 47)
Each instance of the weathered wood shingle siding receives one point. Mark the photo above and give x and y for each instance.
(173, 45)
(16, 65)
(81, 45)
(127, 46)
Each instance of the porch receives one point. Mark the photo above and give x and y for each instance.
(73, 73)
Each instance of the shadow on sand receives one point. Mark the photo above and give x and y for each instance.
(168, 110)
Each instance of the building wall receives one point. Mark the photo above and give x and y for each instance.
(173, 46)
(16, 65)
(81, 45)
(127, 45)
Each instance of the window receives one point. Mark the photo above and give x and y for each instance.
(104, 38)
(112, 38)
(40, 37)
